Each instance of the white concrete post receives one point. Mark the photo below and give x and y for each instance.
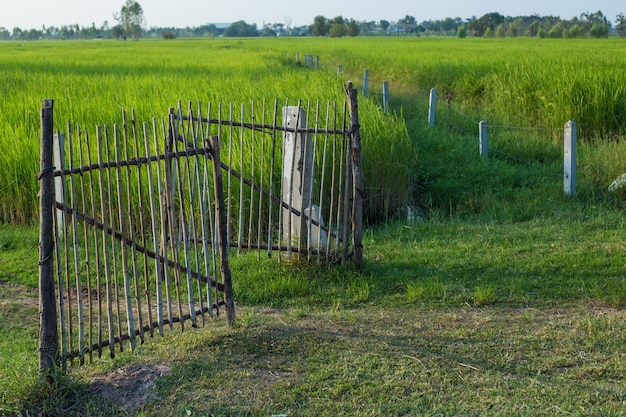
(296, 176)
(365, 81)
(58, 149)
(385, 96)
(482, 131)
(432, 107)
(569, 162)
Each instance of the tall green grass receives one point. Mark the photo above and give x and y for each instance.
(519, 82)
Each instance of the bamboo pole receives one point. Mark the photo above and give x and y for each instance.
(105, 245)
(87, 249)
(79, 286)
(221, 232)
(124, 226)
(158, 266)
(357, 178)
(96, 245)
(132, 224)
(48, 331)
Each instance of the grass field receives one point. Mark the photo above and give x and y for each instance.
(503, 298)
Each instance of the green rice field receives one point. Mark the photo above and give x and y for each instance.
(520, 82)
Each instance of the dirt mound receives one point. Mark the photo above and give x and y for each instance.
(129, 387)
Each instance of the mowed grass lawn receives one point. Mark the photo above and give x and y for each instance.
(445, 318)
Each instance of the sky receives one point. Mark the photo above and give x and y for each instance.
(34, 14)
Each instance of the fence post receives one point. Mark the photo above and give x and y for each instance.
(432, 107)
(569, 162)
(339, 68)
(385, 96)
(296, 175)
(482, 131)
(221, 231)
(366, 77)
(317, 62)
(48, 331)
(357, 183)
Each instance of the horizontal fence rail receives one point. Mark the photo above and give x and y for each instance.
(138, 219)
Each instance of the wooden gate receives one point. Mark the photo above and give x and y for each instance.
(137, 220)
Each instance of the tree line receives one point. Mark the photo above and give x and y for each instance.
(131, 24)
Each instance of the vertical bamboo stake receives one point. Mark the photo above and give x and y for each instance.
(185, 231)
(241, 184)
(262, 183)
(79, 286)
(221, 232)
(65, 293)
(357, 179)
(130, 320)
(105, 244)
(201, 162)
(48, 331)
(144, 242)
(96, 245)
(272, 163)
(252, 182)
(321, 244)
(87, 248)
(332, 182)
(158, 265)
(169, 198)
(192, 180)
(132, 224)
(111, 216)
(162, 181)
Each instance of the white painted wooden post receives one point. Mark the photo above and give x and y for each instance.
(58, 145)
(296, 176)
(366, 77)
(482, 130)
(432, 107)
(569, 162)
(385, 95)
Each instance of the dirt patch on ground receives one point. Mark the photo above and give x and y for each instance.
(129, 387)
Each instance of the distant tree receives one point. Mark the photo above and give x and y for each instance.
(320, 26)
(500, 31)
(241, 29)
(461, 32)
(337, 28)
(489, 21)
(118, 32)
(352, 28)
(408, 23)
(168, 34)
(384, 25)
(620, 25)
(5, 35)
(130, 19)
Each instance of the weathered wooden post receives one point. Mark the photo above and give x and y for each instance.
(482, 132)
(48, 331)
(366, 77)
(220, 226)
(357, 176)
(385, 96)
(569, 162)
(432, 107)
